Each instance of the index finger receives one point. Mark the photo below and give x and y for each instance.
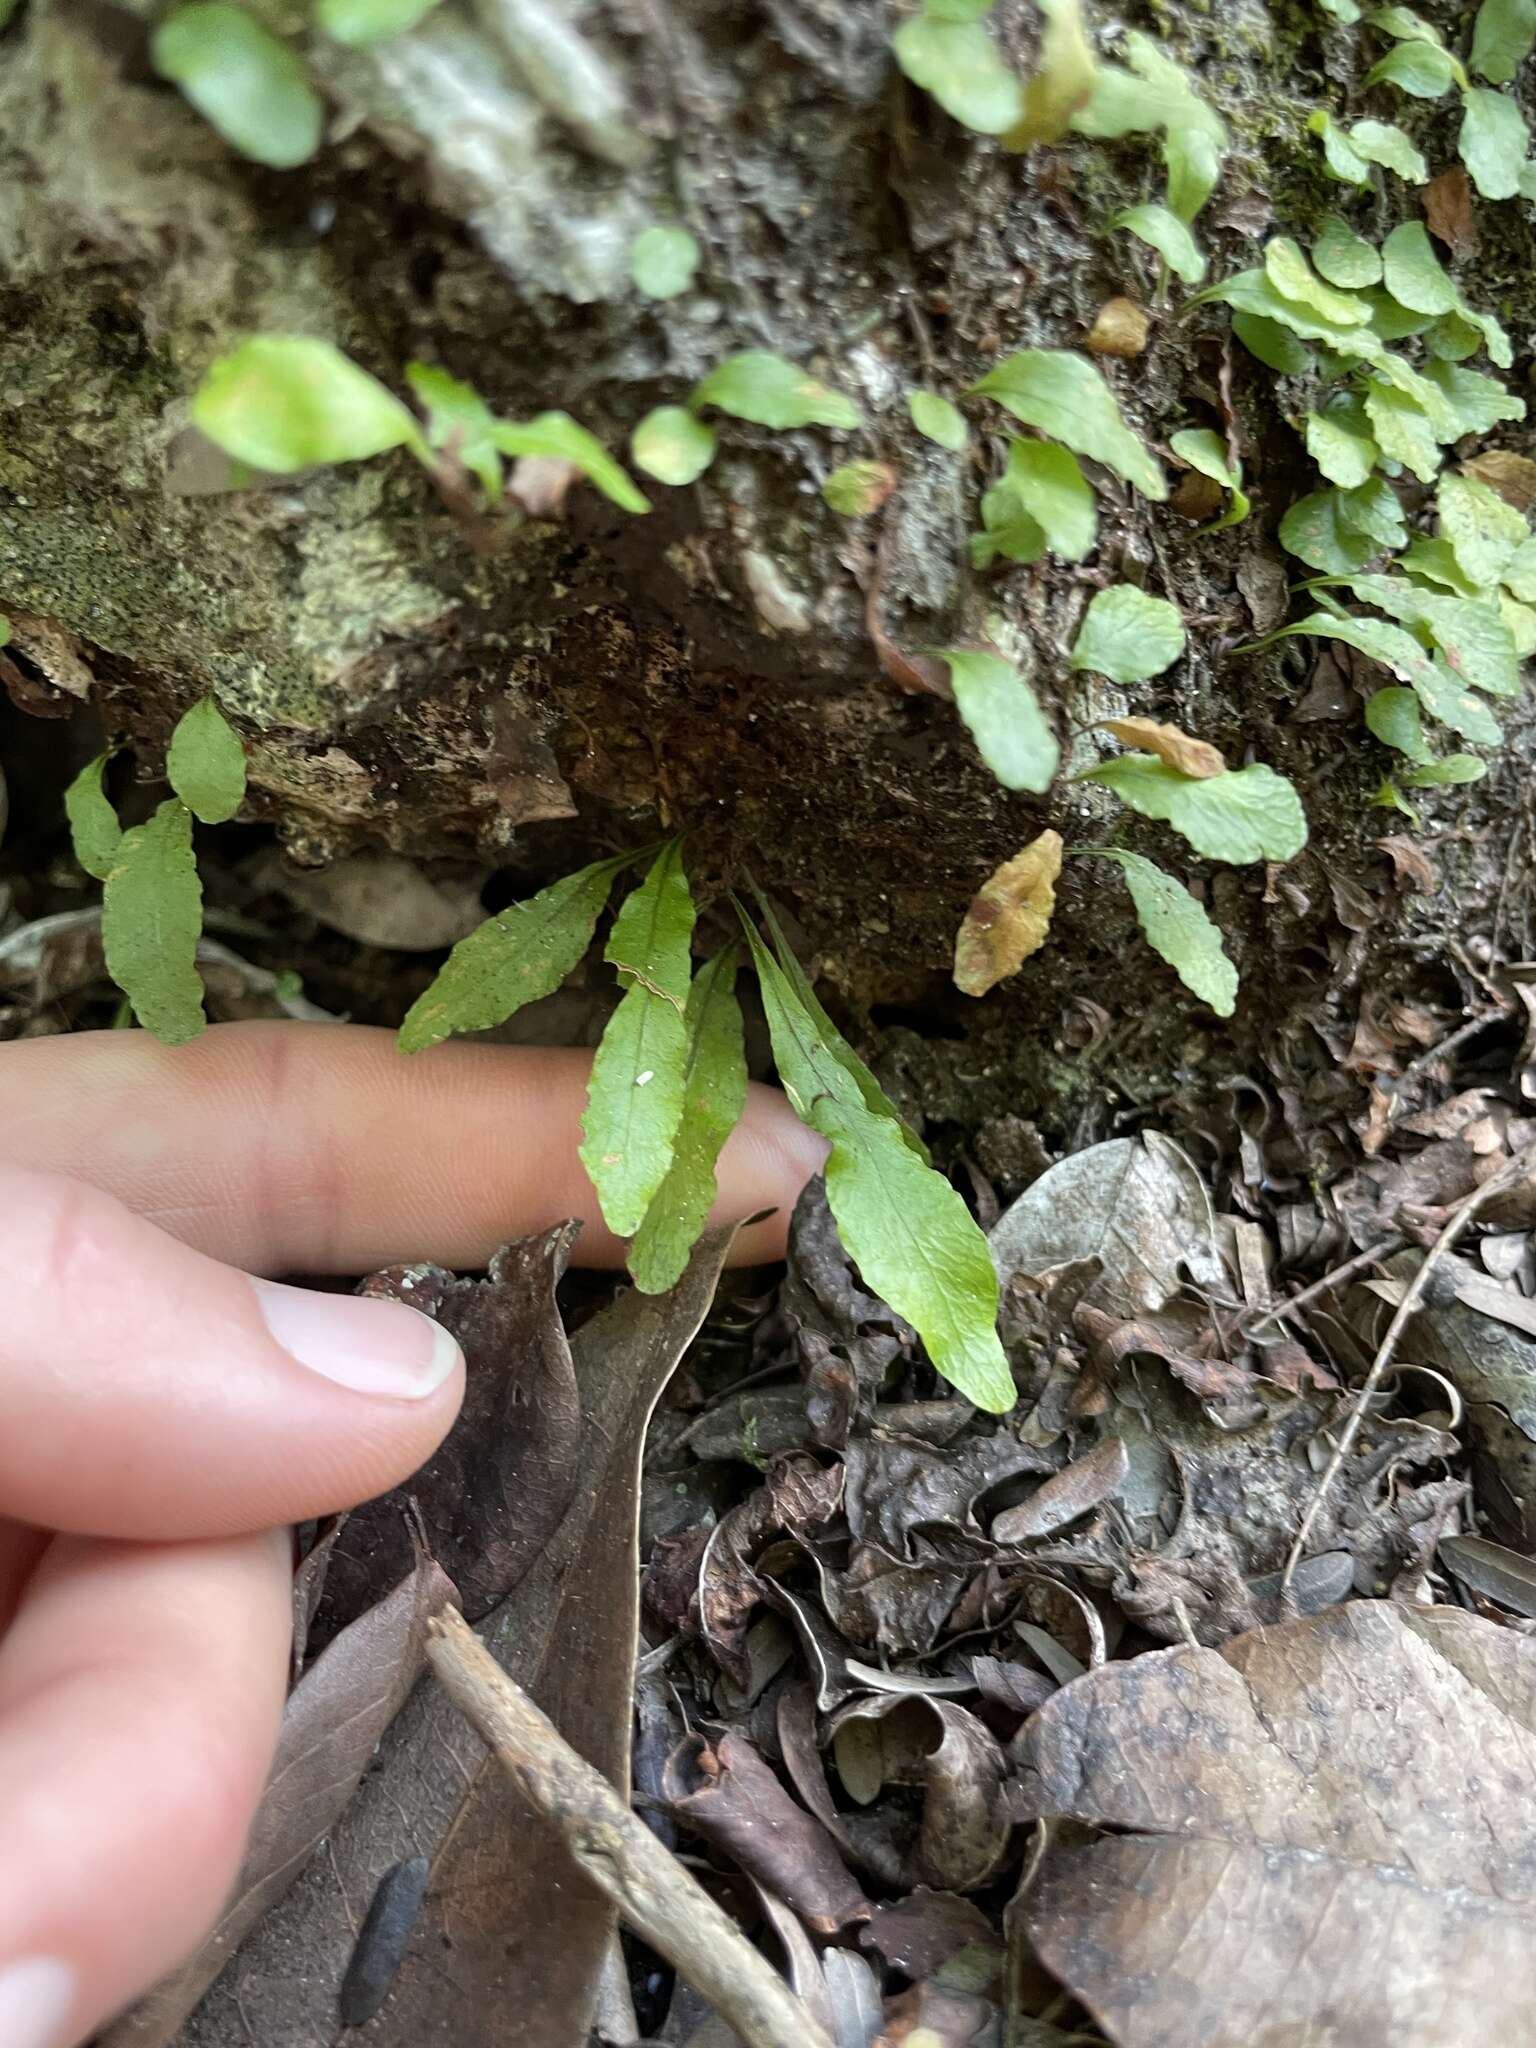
(319, 1148)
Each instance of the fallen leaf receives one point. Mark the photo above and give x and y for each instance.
(1512, 476)
(1135, 1204)
(922, 1931)
(526, 1931)
(958, 1764)
(1009, 917)
(1325, 1831)
(333, 1722)
(1410, 864)
(1192, 757)
(725, 1792)
(1490, 1569)
(498, 1484)
(1120, 328)
(1448, 210)
(1066, 1497)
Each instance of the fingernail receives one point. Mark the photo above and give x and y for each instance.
(373, 1347)
(35, 1997)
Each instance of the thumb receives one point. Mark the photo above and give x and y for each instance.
(148, 1391)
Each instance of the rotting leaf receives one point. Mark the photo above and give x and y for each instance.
(1085, 1484)
(726, 1792)
(1136, 1206)
(526, 1931)
(1492, 1570)
(635, 1095)
(1366, 1768)
(1188, 756)
(1120, 328)
(522, 953)
(1009, 917)
(497, 1485)
(333, 1722)
(957, 1764)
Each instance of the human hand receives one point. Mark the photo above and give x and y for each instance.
(164, 1417)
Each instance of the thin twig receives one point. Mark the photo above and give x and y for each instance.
(653, 1892)
(1369, 1257)
(1456, 1223)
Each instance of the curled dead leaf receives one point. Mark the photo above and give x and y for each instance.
(1120, 328)
(1009, 917)
(1196, 758)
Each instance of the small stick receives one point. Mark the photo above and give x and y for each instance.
(1372, 1254)
(653, 1892)
(1459, 1218)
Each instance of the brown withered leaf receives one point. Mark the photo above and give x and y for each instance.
(922, 1931)
(1120, 328)
(1326, 1832)
(1411, 865)
(1009, 917)
(332, 1723)
(499, 1482)
(725, 1791)
(1068, 1495)
(1512, 476)
(526, 1933)
(1448, 210)
(1195, 758)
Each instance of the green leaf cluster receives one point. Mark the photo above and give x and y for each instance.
(674, 445)
(152, 901)
(669, 1083)
(1461, 611)
(287, 402)
(906, 1228)
(1493, 141)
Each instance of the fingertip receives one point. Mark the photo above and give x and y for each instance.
(766, 1163)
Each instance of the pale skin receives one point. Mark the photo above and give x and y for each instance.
(159, 1431)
